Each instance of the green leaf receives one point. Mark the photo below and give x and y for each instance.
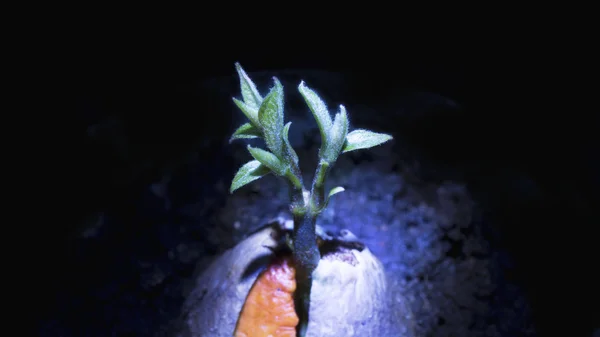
(268, 159)
(248, 173)
(249, 92)
(246, 131)
(321, 174)
(270, 117)
(335, 191)
(337, 135)
(251, 113)
(364, 139)
(289, 150)
(319, 111)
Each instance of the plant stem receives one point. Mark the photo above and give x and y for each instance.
(317, 192)
(306, 251)
(305, 208)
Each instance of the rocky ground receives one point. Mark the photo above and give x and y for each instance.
(133, 263)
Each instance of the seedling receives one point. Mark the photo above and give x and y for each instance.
(266, 121)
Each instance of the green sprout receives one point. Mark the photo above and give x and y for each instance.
(265, 120)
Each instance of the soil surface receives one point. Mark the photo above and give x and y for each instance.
(133, 258)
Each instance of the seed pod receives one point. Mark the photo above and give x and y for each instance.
(348, 295)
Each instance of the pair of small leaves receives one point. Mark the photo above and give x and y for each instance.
(264, 163)
(250, 95)
(334, 134)
(265, 115)
(276, 134)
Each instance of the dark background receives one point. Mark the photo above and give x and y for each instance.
(509, 122)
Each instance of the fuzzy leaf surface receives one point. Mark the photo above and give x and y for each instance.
(289, 150)
(248, 173)
(319, 111)
(250, 94)
(337, 136)
(249, 112)
(364, 139)
(270, 117)
(246, 131)
(268, 159)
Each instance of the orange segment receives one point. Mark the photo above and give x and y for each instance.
(269, 307)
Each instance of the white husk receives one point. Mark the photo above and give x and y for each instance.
(346, 300)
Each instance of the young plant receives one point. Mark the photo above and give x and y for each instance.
(266, 121)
